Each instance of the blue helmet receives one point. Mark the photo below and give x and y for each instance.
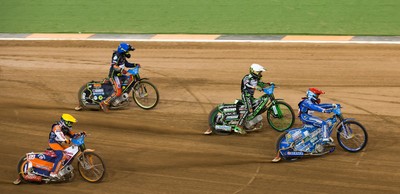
(124, 48)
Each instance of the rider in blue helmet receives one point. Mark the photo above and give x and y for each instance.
(311, 103)
(117, 70)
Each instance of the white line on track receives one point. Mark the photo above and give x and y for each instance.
(211, 41)
(250, 181)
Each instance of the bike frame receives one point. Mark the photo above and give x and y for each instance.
(267, 100)
(338, 123)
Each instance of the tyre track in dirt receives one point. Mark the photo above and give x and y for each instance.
(163, 151)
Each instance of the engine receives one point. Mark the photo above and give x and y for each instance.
(120, 99)
(65, 170)
(254, 121)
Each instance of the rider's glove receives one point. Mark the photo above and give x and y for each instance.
(137, 65)
(82, 133)
(258, 88)
(327, 111)
(271, 83)
(67, 141)
(334, 105)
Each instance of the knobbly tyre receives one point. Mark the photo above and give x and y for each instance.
(224, 117)
(307, 140)
(144, 93)
(35, 167)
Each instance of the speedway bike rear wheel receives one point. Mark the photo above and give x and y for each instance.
(91, 167)
(145, 94)
(83, 95)
(352, 136)
(282, 144)
(22, 168)
(212, 121)
(280, 116)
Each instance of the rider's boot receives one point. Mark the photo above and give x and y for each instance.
(328, 141)
(239, 129)
(208, 132)
(277, 157)
(53, 175)
(104, 106)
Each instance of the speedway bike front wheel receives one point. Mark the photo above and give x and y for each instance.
(280, 116)
(91, 167)
(145, 94)
(352, 136)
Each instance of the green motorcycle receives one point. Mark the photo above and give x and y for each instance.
(280, 116)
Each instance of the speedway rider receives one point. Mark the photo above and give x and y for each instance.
(57, 139)
(250, 82)
(311, 103)
(117, 71)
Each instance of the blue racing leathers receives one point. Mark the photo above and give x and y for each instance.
(306, 110)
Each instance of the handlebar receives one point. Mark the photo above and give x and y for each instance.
(134, 71)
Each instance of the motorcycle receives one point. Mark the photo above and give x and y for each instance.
(144, 93)
(36, 166)
(280, 116)
(307, 140)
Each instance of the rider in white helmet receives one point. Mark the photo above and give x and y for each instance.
(250, 82)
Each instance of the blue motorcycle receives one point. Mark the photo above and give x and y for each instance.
(307, 140)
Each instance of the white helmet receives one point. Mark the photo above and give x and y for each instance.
(256, 69)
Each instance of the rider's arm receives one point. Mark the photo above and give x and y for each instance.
(59, 134)
(115, 63)
(130, 65)
(249, 82)
(314, 107)
(325, 105)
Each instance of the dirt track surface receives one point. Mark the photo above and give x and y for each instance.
(163, 150)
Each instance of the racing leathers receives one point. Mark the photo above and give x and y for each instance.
(56, 140)
(118, 64)
(249, 84)
(306, 110)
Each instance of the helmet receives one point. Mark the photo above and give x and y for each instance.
(313, 94)
(256, 69)
(67, 120)
(124, 49)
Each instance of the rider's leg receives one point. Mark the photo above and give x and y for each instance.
(312, 120)
(116, 93)
(247, 101)
(58, 150)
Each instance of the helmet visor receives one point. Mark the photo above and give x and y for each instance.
(68, 123)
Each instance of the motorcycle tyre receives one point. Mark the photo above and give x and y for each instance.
(278, 142)
(155, 89)
(339, 137)
(21, 162)
(86, 178)
(270, 110)
(211, 123)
